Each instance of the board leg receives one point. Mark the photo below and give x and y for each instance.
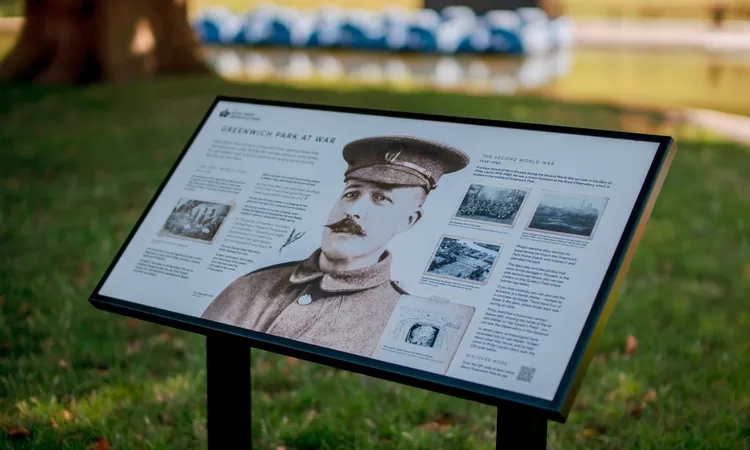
(228, 393)
(514, 429)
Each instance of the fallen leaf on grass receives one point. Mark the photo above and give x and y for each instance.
(743, 404)
(442, 423)
(133, 347)
(100, 444)
(719, 383)
(311, 413)
(164, 336)
(582, 403)
(131, 322)
(131, 214)
(13, 184)
(631, 345)
(84, 270)
(62, 364)
(291, 361)
(67, 415)
(637, 412)
(280, 447)
(434, 426)
(52, 423)
(23, 308)
(2, 300)
(588, 433)
(17, 432)
(48, 343)
(264, 366)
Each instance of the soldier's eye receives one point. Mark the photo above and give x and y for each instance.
(351, 194)
(381, 198)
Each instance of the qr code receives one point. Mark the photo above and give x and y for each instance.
(526, 374)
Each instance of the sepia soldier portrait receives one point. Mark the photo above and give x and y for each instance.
(342, 295)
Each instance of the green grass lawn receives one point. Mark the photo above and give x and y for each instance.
(77, 167)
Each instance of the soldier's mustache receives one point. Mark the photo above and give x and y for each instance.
(347, 225)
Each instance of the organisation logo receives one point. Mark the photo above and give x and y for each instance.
(227, 113)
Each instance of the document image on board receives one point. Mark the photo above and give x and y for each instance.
(568, 214)
(494, 205)
(466, 260)
(195, 220)
(423, 333)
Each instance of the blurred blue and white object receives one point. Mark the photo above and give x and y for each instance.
(536, 38)
(532, 15)
(562, 32)
(218, 26)
(326, 30)
(228, 64)
(463, 35)
(300, 67)
(330, 67)
(458, 12)
(505, 32)
(362, 30)
(454, 29)
(422, 31)
(499, 75)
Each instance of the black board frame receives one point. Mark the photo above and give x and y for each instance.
(507, 402)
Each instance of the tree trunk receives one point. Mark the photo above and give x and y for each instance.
(87, 41)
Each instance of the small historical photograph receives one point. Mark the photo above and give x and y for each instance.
(496, 205)
(574, 215)
(195, 219)
(464, 259)
(422, 334)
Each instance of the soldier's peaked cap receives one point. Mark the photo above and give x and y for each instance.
(402, 160)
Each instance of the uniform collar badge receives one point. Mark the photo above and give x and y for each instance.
(305, 300)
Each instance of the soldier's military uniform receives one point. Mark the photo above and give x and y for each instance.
(346, 310)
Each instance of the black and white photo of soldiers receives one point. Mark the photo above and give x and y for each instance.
(492, 204)
(195, 219)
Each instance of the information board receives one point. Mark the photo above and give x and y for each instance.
(465, 256)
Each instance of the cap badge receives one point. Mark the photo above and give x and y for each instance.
(391, 156)
(305, 300)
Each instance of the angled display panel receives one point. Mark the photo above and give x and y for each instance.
(470, 257)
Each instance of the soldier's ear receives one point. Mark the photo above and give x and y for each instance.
(414, 218)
